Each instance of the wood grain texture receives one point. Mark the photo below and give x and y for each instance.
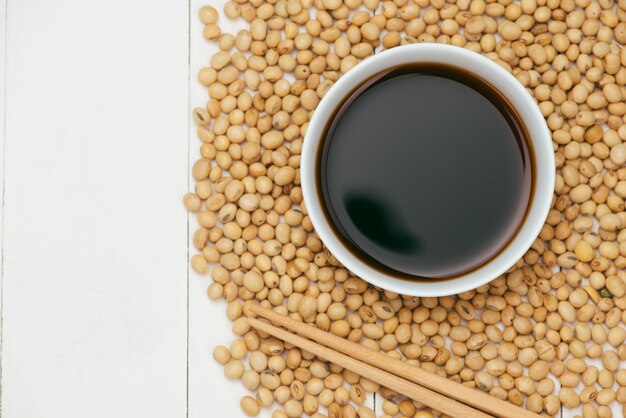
(94, 232)
(3, 44)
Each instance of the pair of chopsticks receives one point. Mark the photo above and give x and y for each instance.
(432, 390)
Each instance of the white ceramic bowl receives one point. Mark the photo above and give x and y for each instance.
(521, 101)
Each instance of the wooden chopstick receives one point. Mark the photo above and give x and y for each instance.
(412, 390)
(449, 388)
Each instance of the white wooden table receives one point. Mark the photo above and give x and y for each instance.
(101, 316)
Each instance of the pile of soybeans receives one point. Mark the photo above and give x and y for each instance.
(548, 335)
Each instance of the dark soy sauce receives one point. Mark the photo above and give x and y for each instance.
(425, 172)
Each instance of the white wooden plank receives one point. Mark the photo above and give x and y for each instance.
(210, 393)
(95, 292)
(3, 27)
